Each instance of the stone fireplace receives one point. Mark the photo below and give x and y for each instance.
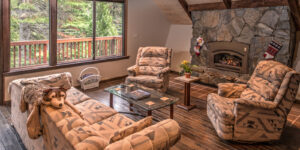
(236, 39)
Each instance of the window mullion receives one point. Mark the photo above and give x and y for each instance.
(94, 29)
(53, 33)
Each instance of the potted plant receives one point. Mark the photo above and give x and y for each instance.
(186, 68)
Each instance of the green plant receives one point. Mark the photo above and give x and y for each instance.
(186, 66)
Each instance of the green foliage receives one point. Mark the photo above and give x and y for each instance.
(30, 20)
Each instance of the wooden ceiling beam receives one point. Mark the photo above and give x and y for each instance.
(238, 4)
(227, 3)
(185, 6)
(295, 10)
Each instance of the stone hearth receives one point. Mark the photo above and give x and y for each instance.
(255, 27)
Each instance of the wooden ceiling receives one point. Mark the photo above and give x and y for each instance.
(179, 11)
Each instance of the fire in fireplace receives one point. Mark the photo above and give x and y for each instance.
(228, 56)
(227, 59)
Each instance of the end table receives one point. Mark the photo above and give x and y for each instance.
(187, 92)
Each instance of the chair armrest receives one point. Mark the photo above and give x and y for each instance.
(257, 104)
(160, 136)
(133, 70)
(163, 72)
(231, 90)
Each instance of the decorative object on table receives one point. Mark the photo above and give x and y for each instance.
(89, 78)
(186, 68)
(199, 45)
(272, 50)
(138, 94)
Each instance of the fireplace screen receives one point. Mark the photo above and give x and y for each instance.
(227, 59)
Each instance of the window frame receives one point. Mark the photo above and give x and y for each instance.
(53, 64)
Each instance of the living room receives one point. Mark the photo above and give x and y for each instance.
(149, 74)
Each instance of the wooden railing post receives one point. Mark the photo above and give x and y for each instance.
(105, 48)
(45, 53)
(20, 56)
(113, 46)
(90, 49)
(14, 56)
(30, 54)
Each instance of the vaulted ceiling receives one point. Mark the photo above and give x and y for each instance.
(179, 11)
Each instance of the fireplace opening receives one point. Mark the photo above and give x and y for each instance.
(228, 56)
(227, 59)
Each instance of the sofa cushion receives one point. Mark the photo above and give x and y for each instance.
(75, 96)
(223, 107)
(161, 52)
(150, 81)
(104, 129)
(152, 61)
(149, 70)
(93, 111)
(128, 130)
(265, 81)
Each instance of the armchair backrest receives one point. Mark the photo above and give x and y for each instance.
(150, 60)
(265, 81)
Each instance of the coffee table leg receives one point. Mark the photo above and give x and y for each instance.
(171, 111)
(149, 112)
(111, 100)
(130, 106)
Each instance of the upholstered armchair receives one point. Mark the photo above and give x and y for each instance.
(151, 69)
(256, 111)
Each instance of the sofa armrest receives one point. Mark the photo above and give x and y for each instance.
(163, 72)
(160, 136)
(133, 70)
(231, 90)
(257, 104)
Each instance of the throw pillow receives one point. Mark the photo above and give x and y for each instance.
(133, 128)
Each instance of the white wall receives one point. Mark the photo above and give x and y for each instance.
(147, 26)
(179, 39)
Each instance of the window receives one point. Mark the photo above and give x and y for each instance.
(109, 29)
(81, 30)
(29, 30)
(74, 30)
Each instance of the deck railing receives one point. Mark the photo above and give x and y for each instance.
(28, 53)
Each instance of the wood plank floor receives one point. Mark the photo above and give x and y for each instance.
(197, 131)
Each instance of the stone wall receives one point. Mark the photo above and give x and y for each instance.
(253, 26)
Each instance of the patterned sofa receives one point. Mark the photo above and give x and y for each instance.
(99, 127)
(152, 68)
(256, 111)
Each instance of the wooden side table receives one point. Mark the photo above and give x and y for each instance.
(187, 92)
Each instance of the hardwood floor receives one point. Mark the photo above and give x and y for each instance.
(197, 131)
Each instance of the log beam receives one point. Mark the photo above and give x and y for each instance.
(238, 4)
(185, 6)
(227, 3)
(295, 10)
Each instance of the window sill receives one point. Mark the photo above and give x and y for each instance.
(62, 65)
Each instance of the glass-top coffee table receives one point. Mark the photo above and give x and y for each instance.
(156, 101)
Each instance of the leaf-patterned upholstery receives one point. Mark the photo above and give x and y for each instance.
(256, 111)
(152, 68)
(99, 126)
